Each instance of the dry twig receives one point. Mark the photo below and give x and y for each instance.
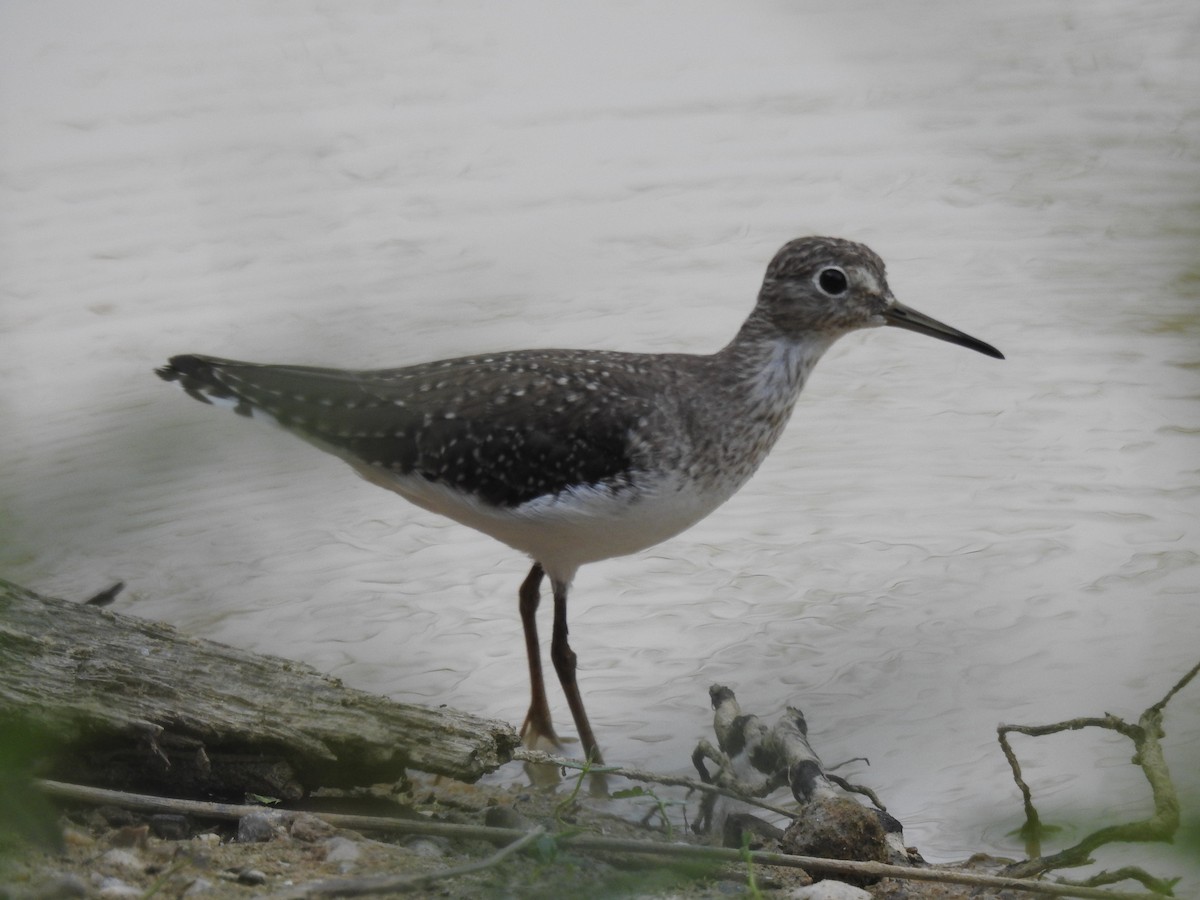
(1146, 736)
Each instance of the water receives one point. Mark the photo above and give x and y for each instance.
(940, 543)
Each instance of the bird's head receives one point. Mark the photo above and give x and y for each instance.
(830, 286)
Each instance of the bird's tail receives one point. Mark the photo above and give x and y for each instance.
(202, 377)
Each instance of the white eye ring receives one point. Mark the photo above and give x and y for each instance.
(832, 280)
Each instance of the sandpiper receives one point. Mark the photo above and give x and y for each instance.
(573, 456)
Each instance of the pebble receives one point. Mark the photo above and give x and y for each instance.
(129, 836)
(169, 827)
(122, 861)
(197, 887)
(251, 876)
(61, 887)
(309, 829)
(73, 837)
(425, 847)
(255, 828)
(505, 817)
(341, 849)
(116, 816)
(828, 890)
(115, 887)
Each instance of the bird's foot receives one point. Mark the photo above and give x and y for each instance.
(540, 736)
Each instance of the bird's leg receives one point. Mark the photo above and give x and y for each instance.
(564, 660)
(538, 726)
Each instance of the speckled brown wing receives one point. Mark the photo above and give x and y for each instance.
(506, 428)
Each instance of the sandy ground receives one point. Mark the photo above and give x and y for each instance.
(110, 852)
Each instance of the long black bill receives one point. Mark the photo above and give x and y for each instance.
(902, 316)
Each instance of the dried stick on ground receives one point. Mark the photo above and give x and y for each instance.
(1146, 736)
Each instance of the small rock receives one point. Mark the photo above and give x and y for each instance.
(117, 860)
(197, 887)
(838, 828)
(341, 849)
(73, 837)
(61, 887)
(208, 839)
(116, 816)
(309, 829)
(828, 890)
(251, 876)
(425, 847)
(129, 836)
(115, 888)
(255, 828)
(504, 817)
(169, 827)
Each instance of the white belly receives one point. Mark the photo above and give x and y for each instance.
(566, 530)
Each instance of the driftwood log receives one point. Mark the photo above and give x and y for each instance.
(121, 702)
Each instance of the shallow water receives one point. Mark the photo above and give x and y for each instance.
(941, 542)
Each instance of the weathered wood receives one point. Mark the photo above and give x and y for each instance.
(128, 703)
(828, 824)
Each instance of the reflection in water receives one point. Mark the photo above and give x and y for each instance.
(937, 545)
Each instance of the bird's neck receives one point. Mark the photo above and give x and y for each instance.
(747, 399)
(767, 368)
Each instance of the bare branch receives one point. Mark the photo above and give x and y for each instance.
(1146, 736)
(1179, 685)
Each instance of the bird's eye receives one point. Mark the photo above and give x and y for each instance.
(832, 281)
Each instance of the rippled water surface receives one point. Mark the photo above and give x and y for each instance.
(941, 542)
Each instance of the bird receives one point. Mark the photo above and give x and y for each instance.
(575, 456)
